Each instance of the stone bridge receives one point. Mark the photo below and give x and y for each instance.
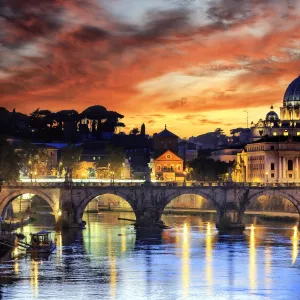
(68, 201)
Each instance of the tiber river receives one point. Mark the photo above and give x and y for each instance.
(189, 261)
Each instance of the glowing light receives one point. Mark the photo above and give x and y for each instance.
(252, 259)
(185, 261)
(295, 240)
(123, 239)
(208, 256)
(16, 265)
(112, 267)
(268, 267)
(34, 277)
(58, 241)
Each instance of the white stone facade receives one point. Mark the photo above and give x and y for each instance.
(273, 162)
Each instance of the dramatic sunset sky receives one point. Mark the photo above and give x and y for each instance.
(193, 64)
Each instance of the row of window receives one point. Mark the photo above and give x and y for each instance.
(259, 157)
(256, 166)
(256, 148)
(168, 169)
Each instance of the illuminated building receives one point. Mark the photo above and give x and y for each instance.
(271, 160)
(289, 122)
(168, 167)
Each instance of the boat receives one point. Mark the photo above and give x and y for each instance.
(41, 243)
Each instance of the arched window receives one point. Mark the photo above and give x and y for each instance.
(290, 165)
(158, 168)
(178, 168)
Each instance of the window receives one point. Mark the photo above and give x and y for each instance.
(168, 156)
(272, 147)
(178, 168)
(298, 133)
(285, 133)
(290, 165)
(272, 166)
(290, 175)
(274, 133)
(158, 168)
(272, 175)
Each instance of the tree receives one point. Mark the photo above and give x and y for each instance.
(35, 160)
(96, 114)
(134, 131)
(219, 132)
(70, 157)
(115, 159)
(112, 122)
(66, 122)
(10, 162)
(208, 169)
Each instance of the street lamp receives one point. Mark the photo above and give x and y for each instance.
(30, 169)
(267, 173)
(184, 174)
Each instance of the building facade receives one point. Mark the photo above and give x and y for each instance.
(167, 167)
(269, 161)
(288, 124)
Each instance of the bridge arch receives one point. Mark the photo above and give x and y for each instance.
(204, 195)
(6, 201)
(84, 202)
(291, 198)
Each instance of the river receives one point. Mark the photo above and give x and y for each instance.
(189, 261)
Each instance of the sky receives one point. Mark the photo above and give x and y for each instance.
(195, 65)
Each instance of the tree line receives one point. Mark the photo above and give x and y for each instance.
(64, 125)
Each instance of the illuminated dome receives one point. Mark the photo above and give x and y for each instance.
(292, 93)
(271, 115)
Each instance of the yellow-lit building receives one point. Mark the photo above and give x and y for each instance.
(168, 167)
(271, 160)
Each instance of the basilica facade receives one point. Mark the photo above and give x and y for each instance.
(288, 124)
(274, 154)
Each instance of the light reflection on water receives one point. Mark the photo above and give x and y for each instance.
(189, 261)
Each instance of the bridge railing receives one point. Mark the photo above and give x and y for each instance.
(190, 184)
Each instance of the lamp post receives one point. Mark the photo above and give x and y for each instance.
(184, 181)
(113, 177)
(267, 173)
(30, 169)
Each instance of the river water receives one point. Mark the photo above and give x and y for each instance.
(189, 261)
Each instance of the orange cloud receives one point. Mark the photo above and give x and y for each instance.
(56, 55)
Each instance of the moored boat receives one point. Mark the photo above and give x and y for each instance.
(41, 243)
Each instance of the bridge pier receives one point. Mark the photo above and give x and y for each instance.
(230, 218)
(148, 217)
(66, 215)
